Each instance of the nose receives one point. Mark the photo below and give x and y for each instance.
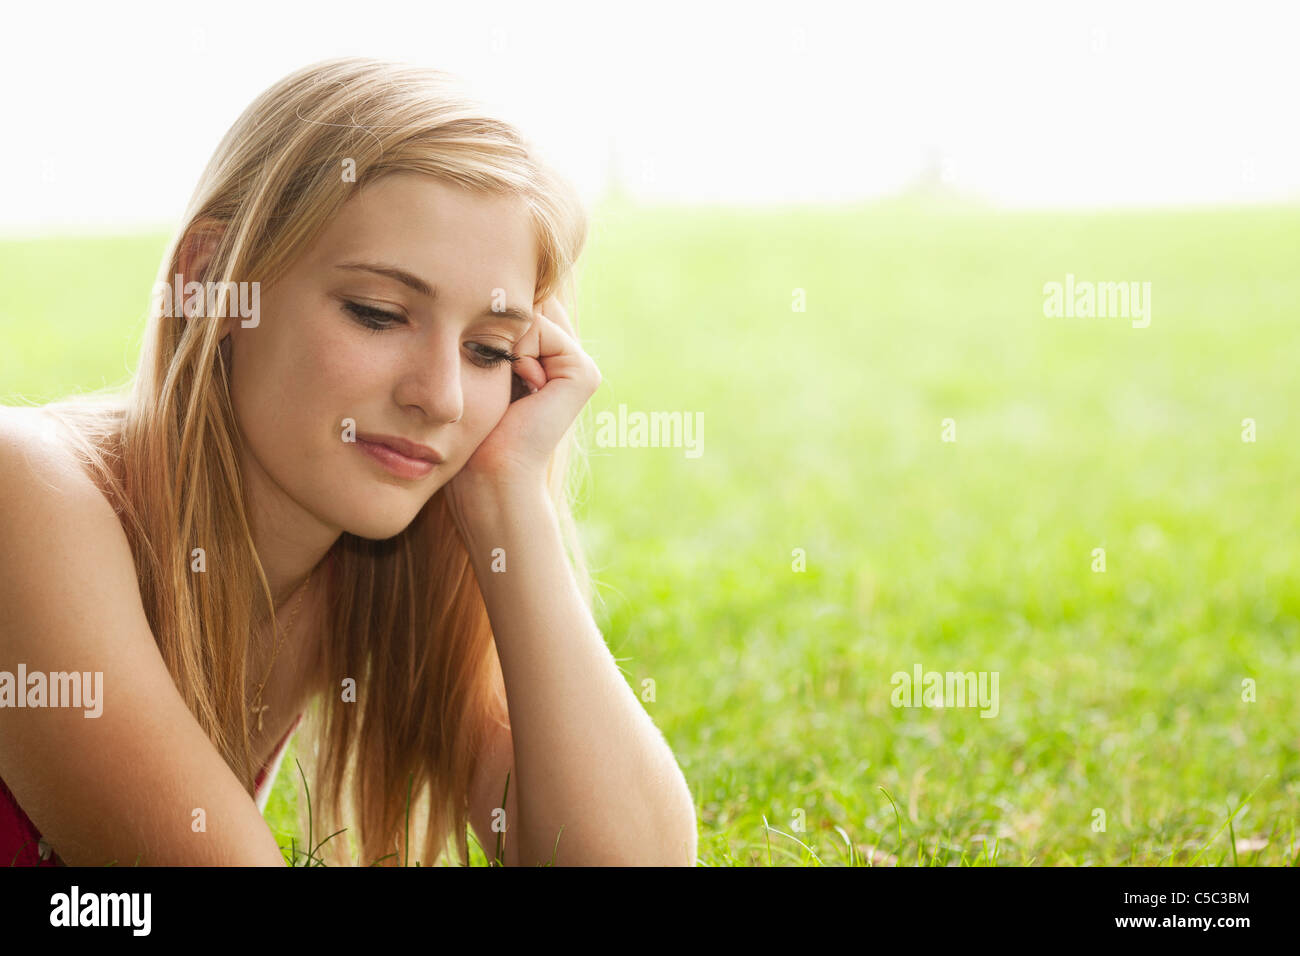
(430, 381)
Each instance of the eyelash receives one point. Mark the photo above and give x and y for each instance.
(366, 315)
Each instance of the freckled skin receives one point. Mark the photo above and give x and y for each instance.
(309, 363)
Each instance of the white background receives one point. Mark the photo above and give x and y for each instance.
(111, 111)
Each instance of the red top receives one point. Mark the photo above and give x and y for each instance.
(21, 844)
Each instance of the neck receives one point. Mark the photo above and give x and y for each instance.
(290, 541)
(288, 573)
(288, 555)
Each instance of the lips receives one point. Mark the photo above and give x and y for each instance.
(403, 447)
(401, 458)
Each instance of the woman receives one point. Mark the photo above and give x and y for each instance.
(335, 492)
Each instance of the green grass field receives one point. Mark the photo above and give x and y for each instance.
(1120, 692)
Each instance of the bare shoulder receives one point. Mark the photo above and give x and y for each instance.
(50, 508)
(52, 514)
(36, 454)
(119, 773)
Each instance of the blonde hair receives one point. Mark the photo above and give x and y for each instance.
(404, 617)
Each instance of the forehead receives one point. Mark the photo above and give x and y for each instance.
(449, 236)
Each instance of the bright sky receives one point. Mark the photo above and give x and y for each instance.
(113, 110)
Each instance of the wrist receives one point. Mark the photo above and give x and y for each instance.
(489, 508)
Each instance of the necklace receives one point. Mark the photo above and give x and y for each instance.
(258, 708)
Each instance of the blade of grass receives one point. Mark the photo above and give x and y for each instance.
(898, 857)
(840, 831)
(772, 829)
(1229, 820)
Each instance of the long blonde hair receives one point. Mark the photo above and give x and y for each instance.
(404, 617)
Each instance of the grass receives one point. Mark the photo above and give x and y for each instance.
(283, 822)
(1121, 692)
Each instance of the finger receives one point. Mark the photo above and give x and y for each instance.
(555, 311)
(562, 357)
(527, 344)
(553, 341)
(531, 371)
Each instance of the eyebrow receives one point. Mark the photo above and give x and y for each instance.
(512, 313)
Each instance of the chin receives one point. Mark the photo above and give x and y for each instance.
(375, 530)
(377, 525)
(380, 523)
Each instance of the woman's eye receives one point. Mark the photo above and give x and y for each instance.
(488, 357)
(377, 320)
(372, 318)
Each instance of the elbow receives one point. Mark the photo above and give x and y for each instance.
(682, 846)
(682, 829)
(687, 854)
(691, 843)
(673, 842)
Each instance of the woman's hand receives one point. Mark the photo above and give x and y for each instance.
(515, 453)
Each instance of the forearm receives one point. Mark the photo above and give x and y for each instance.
(587, 756)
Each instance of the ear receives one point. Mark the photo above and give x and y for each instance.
(197, 249)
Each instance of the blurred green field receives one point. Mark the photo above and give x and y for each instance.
(1119, 691)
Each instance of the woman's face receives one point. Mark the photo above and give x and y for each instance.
(313, 362)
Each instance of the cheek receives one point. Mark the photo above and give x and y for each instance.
(486, 402)
(337, 371)
(281, 382)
